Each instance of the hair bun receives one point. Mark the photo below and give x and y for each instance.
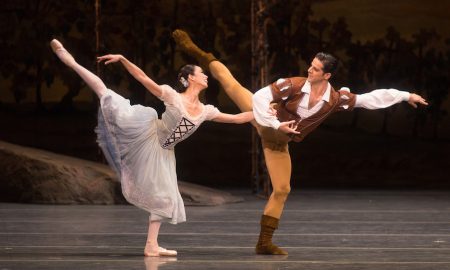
(184, 82)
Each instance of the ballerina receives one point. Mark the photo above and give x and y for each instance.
(140, 147)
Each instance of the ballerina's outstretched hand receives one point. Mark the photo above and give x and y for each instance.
(134, 70)
(110, 58)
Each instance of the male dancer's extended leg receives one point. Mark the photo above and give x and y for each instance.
(274, 143)
(94, 82)
(241, 96)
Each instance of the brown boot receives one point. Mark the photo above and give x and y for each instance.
(186, 44)
(268, 226)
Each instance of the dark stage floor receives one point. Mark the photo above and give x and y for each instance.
(320, 229)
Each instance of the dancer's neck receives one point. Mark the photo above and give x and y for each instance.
(191, 94)
(319, 88)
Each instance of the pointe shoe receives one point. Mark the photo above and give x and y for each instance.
(167, 252)
(62, 53)
(161, 252)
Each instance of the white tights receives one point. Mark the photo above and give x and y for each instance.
(152, 236)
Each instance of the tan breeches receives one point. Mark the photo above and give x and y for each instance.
(240, 95)
(274, 142)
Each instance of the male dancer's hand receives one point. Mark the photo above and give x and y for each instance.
(414, 98)
(272, 111)
(289, 127)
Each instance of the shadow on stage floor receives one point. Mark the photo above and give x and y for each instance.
(320, 230)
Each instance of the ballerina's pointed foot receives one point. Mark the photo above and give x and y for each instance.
(160, 252)
(62, 53)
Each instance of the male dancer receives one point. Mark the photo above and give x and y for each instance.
(302, 104)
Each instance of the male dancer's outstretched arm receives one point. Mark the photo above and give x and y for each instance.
(376, 99)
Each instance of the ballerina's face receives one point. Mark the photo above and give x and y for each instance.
(199, 77)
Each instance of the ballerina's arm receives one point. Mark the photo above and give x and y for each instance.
(239, 118)
(134, 70)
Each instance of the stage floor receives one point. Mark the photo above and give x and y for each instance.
(320, 230)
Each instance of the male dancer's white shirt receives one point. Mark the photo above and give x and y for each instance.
(377, 99)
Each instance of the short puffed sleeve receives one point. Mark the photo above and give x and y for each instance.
(346, 100)
(211, 112)
(168, 95)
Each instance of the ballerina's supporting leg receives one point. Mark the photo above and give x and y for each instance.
(94, 82)
(152, 248)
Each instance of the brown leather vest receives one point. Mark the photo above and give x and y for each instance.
(287, 96)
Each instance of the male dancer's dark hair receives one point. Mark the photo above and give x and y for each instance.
(330, 63)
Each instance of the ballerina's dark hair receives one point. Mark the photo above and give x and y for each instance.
(184, 73)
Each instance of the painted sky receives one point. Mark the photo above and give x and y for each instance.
(369, 19)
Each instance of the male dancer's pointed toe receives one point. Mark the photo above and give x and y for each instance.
(183, 40)
(181, 36)
(185, 43)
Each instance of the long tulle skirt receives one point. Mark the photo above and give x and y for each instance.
(127, 134)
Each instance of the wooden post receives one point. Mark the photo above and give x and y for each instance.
(261, 181)
(100, 156)
(97, 33)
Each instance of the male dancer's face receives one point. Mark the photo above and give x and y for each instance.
(315, 72)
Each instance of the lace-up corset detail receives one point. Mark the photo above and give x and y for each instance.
(183, 128)
(176, 124)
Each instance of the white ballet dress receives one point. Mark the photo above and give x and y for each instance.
(140, 148)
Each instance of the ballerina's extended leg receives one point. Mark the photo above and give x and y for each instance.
(94, 82)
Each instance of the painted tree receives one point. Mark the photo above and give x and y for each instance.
(422, 42)
(436, 86)
(320, 26)
(75, 27)
(25, 47)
